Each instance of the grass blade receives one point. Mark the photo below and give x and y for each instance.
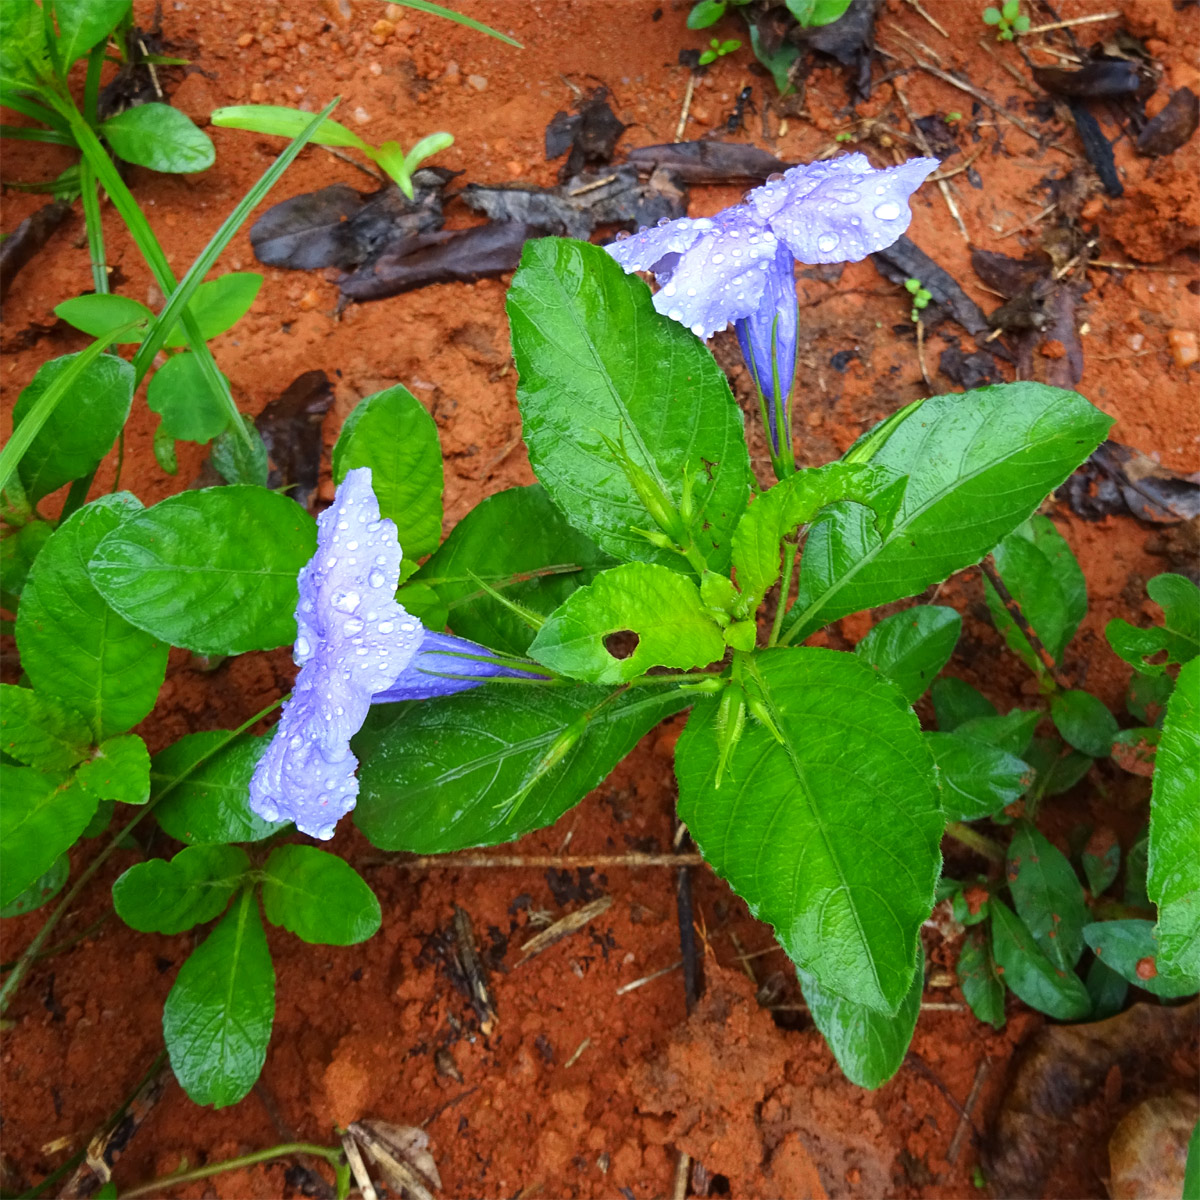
(427, 6)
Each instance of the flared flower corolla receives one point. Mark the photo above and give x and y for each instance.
(355, 645)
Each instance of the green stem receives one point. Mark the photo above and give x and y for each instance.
(31, 951)
(789, 567)
(156, 1186)
(89, 194)
(976, 841)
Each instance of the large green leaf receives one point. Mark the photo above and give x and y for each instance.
(597, 362)
(82, 23)
(39, 731)
(795, 501)
(489, 765)
(219, 304)
(159, 137)
(119, 770)
(217, 1019)
(833, 835)
(213, 571)
(168, 897)
(1132, 949)
(73, 646)
(23, 57)
(319, 897)
(391, 433)
(1173, 879)
(518, 544)
(1179, 634)
(869, 1045)
(80, 431)
(977, 779)
(43, 889)
(211, 805)
(41, 815)
(1030, 974)
(660, 606)
(19, 549)
(181, 391)
(977, 466)
(99, 313)
(1047, 895)
(911, 647)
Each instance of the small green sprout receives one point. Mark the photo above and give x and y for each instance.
(1009, 19)
(953, 118)
(921, 297)
(844, 136)
(718, 49)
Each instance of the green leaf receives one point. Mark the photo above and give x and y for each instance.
(660, 606)
(795, 501)
(318, 897)
(159, 137)
(518, 544)
(438, 10)
(705, 13)
(1107, 989)
(42, 813)
(977, 779)
(911, 647)
(1191, 1170)
(956, 701)
(981, 986)
(1178, 636)
(833, 835)
(180, 390)
(1057, 768)
(391, 433)
(868, 1045)
(213, 570)
(81, 430)
(597, 362)
(1011, 732)
(219, 304)
(1148, 697)
(445, 776)
(1101, 860)
(99, 314)
(1084, 722)
(217, 1019)
(778, 61)
(119, 770)
(39, 731)
(18, 550)
(210, 806)
(23, 56)
(83, 23)
(286, 122)
(977, 465)
(76, 649)
(1173, 880)
(1030, 974)
(42, 889)
(1047, 895)
(1135, 870)
(810, 13)
(241, 459)
(1132, 949)
(168, 897)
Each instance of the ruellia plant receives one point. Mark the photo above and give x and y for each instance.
(466, 693)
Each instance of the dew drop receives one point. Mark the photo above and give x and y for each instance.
(407, 627)
(351, 545)
(345, 601)
(353, 626)
(343, 524)
(826, 242)
(302, 648)
(691, 291)
(698, 329)
(663, 221)
(624, 235)
(669, 290)
(675, 314)
(386, 626)
(888, 211)
(376, 579)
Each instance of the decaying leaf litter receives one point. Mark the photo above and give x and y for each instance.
(870, 1157)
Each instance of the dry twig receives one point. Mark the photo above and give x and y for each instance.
(571, 923)
(916, 5)
(566, 862)
(1108, 16)
(943, 186)
(965, 1122)
(645, 979)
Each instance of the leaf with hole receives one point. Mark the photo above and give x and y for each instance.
(217, 1019)
(1176, 640)
(831, 835)
(597, 366)
(213, 570)
(161, 896)
(672, 626)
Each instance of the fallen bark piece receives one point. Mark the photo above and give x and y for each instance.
(708, 162)
(27, 239)
(1173, 127)
(1101, 77)
(291, 431)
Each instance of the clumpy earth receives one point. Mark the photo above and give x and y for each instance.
(578, 1087)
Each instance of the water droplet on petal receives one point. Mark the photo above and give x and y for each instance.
(718, 259)
(386, 626)
(302, 648)
(669, 290)
(624, 235)
(345, 601)
(675, 314)
(351, 545)
(698, 329)
(376, 579)
(663, 221)
(353, 626)
(888, 211)
(826, 242)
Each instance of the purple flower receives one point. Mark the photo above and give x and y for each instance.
(355, 645)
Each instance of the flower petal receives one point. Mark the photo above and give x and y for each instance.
(444, 665)
(840, 210)
(647, 248)
(768, 336)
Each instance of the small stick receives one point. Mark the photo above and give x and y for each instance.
(426, 862)
(358, 1168)
(481, 1001)
(965, 1121)
(1022, 622)
(692, 981)
(981, 96)
(921, 352)
(645, 979)
(963, 166)
(916, 4)
(943, 186)
(587, 1041)
(150, 67)
(1108, 16)
(683, 1169)
(1113, 265)
(687, 104)
(915, 41)
(1032, 221)
(591, 187)
(743, 958)
(571, 923)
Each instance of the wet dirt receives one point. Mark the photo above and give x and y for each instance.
(582, 1089)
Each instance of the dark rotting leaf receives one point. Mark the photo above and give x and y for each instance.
(291, 431)
(27, 239)
(1118, 479)
(1010, 276)
(1101, 77)
(1173, 127)
(708, 162)
(904, 260)
(590, 134)
(968, 371)
(1096, 146)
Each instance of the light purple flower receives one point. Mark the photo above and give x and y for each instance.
(355, 646)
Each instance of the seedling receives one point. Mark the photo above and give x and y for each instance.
(718, 49)
(921, 297)
(1008, 19)
(844, 136)
(953, 118)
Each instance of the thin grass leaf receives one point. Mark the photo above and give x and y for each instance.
(427, 6)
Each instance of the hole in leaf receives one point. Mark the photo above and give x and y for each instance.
(621, 644)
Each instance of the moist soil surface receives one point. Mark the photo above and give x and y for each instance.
(580, 1085)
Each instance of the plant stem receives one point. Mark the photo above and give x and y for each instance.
(156, 1186)
(89, 195)
(785, 586)
(976, 841)
(1013, 609)
(27, 957)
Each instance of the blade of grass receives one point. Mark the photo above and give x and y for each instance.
(436, 10)
(90, 195)
(20, 133)
(32, 109)
(177, 302)
(49, 400)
